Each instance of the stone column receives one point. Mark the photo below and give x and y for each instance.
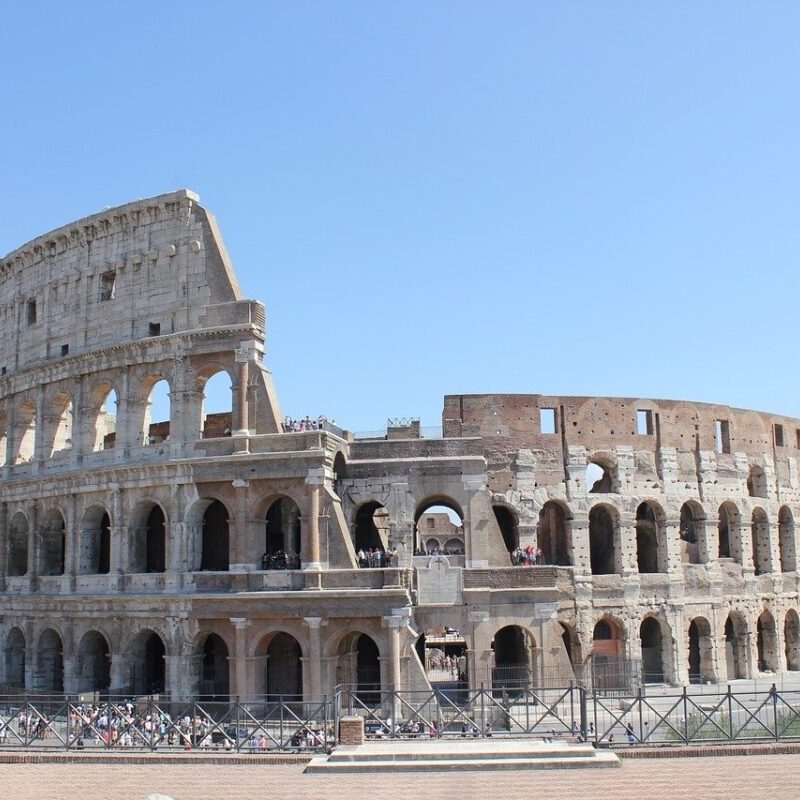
(119, 542)
(241, 425)
(476, 672)
(579, 553)
(71, 544)
(240, 560)
(314, 659)
(33, 548)
(3, 545)
(175, 538)
(672, 538)
(310, 543)
(240, 658)
(625, 546)
(119, 670)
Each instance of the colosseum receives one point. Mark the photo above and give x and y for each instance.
(533, 538)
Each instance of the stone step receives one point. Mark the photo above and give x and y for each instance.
(352, 754)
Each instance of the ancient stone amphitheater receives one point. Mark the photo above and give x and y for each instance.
(218, 554)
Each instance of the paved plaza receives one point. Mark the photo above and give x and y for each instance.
(725, 778)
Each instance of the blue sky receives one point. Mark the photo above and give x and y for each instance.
(568, 198)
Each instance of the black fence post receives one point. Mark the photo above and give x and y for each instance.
(584, 711)
(773, 691)
(685, 717)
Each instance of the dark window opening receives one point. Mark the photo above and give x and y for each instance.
(31, 312)
(107, 283)
(778, 429)
(64, 349)
(644, 422)
(722, 433)
(154, 328)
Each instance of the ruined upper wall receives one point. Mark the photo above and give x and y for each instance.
(510, 423)
(147, 268)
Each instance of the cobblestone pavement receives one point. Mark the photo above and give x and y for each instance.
(723, 778)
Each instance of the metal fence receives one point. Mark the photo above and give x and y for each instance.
(259, 726)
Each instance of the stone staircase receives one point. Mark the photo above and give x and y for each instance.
(401, 755)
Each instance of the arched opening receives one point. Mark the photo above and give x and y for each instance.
(759, 534)
(217, 407)
(600, 478)
(701, 651)
(94, 557)
(791, 640)
(509, 529)
(736, 646)
(215, 553)
(3, 438)
(786, 541)
(767, 643)
(282, 540)
(441, 518)
(513, 658)
(158, 413)
(147, 664)
(60, 423)
(284, 667)
(652, 651)
(453, 547)
(50, 662)
(648, 545)
(609, 667)
(18, 545)
(105, 400)
(214, 679)
(359, 667)
(433, 546)
(94, 663)
(148, 542)
(25, 432)
(52, 544)
(690, 531)
(728, 517)
(443, 653)
(551, 535)
(757, 482)
(15, 659)
(602, 550)
(371, 528)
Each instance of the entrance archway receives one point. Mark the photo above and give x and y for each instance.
(214, 678)
(652, 651)
(791, 640)
(551, 534)
(649, 546)
(602, 550)
(15, 659)
(94, 663)
(736, 646)
(767, 643)
(701, 649)
(359, 668)
(282, 535)
(50, 662)
(514, 658)
(148, 664)
(284, 668)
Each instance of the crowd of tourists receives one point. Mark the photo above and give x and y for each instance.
(291, 425)
(280, 560)
(526, 556)
(376, 557)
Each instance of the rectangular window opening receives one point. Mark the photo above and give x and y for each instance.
(778, 430)
(64, 349)
(155, 328)
(31, 312)
(722, 431)
(644, 422)
(107, 283)
(798, 438)
(547, 420)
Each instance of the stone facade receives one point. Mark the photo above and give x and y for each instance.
(216, 555)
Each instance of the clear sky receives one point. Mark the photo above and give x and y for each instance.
(596, 198)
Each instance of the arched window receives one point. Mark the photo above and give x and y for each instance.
(148, 539)
(282, 545)
(158, 414)
(691, 530)
(18, 545)
(94, 557)
(371, 527)
(105, 402)
(52, 547)
(440, 517)
(147, 664)
(791, 640)
(760, 535)
(214, 677)
(727, 528)
(602, 548)
(652, 651)
(217, 410)
(551, 534)
(3, 438)
(701, 651)
(509, 529)
(15, 659)
(25, 432)
(50, 662)
(358, 667)
(767, 643)
(215, 546)
(514, 651)
(284, 668)
(600, 477)
(757, 482)
(786, 541)
(736, 646)
(650, 555)
(94, 663)
(60, 424)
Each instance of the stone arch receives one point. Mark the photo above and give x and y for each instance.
(454, 547)
(58, 423)
(767, 643)
(701, 651)
(94, 663)
(215, 387)
(94, 543)
(371, 526)
(52, 543)
(508, 522)
(757, 482)
(691, 532)
(514, 662)
(729, 531)
(736, 634)
(653, 656)
(552, 536)
(25, 425)
(155, 415)
(280, 673)
(651, 546)
(214, 536)
(283, 534)
(601, 474)
(15, 659)
(786, 540)
(102, 411)
(791, 640)
(603, 527)
(436, 504)
(146, 657)
(148, 547)
(3, 438)
(18, 560)
(212, 665)
(49, 670)
(760, 538)
(358, 666)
